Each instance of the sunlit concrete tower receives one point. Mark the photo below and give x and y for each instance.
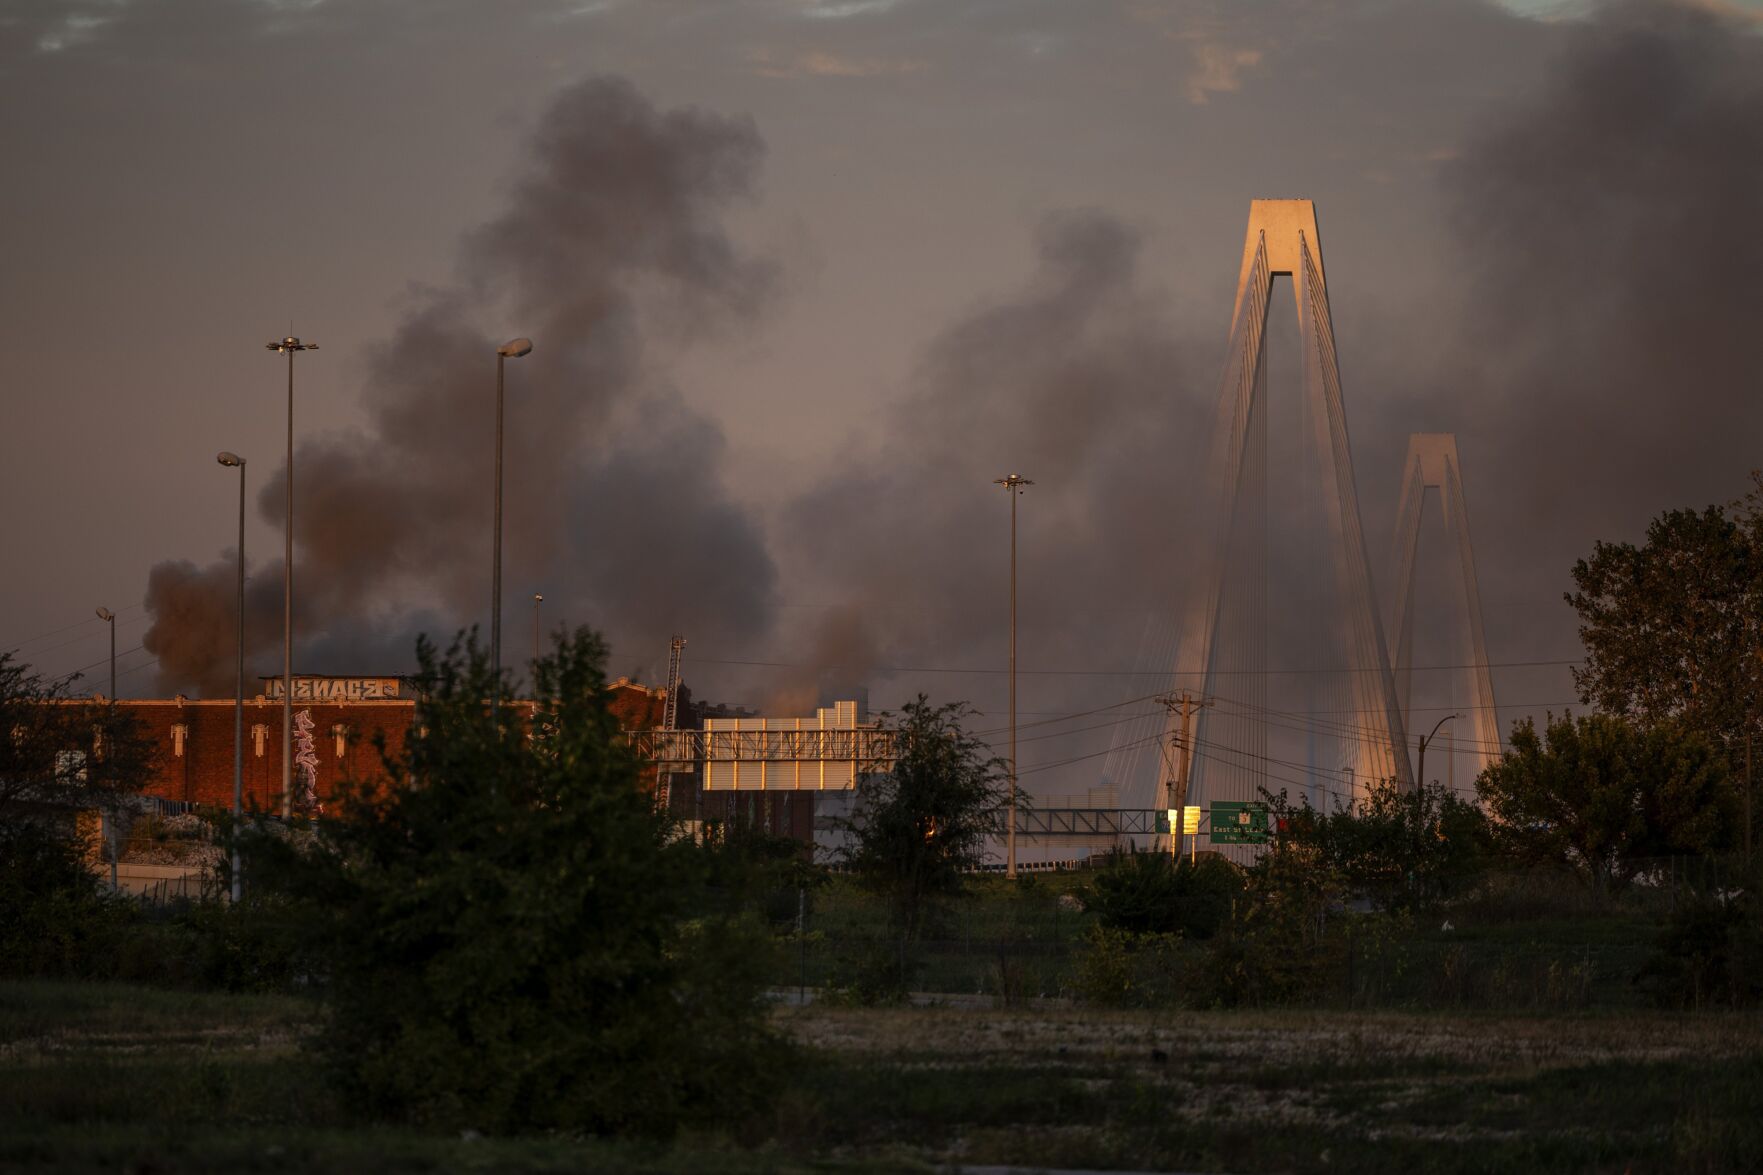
(1223, 648)
(1432, 464)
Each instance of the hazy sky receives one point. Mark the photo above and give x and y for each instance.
(880, 252)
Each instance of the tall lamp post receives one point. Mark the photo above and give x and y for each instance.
(1429, 738)
(234, 461)
(538, 598)
(512, 349)
(289, 346)
(1012, 486)
(109, 617)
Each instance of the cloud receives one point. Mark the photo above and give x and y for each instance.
(1218, 69)
(821, 63)
(843, 9)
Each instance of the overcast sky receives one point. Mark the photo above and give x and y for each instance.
(881, 252)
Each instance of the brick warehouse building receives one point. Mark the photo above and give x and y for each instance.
(340, 719)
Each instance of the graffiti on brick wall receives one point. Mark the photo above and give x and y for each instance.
(305, 762)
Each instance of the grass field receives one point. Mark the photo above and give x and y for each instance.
(1024, 942)
(106, 1077)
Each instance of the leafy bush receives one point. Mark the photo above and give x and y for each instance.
(511, 936)
(56, 916)
(870, 970)
(1403, 850)
(1148, 893)
(1710, 954)
(1126, 969)
(1274, 948)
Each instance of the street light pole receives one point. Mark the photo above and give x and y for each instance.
(512, 349)
(1012, 486)
(1428, 738)
(109, 617)
(233, 460)
(289, 346)
(538, 598)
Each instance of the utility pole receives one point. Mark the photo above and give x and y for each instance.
(1748, 738)
(1178, 801)
(1012, 486)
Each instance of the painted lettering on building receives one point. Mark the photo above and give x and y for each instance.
(338, 689)
(305, 761)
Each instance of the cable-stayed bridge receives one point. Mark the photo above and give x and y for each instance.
(1279, 630)
(1302, 682)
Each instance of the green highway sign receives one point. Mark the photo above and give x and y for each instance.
(1239, 822)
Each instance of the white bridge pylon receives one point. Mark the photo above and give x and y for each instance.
(1222, 653)
(1432, 463)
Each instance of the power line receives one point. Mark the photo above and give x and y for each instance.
(86, 636)
(70, 675)
(1081, 758)
(90, 620)
(1077, 730)
(1065, 717)
(1159, 673)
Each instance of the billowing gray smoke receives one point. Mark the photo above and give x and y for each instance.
(1074, 381)
(612, 237)
(1595, 351)
(1607, 365)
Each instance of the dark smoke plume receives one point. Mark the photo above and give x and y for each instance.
(1075, 381)
(612, 238)
(1607, 367)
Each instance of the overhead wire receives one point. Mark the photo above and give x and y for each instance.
(92, 620)
(1038, 767)
(1077, 730)
(1162, 673)
(1068, 717)
(71, 674)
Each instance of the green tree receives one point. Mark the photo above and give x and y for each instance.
(1275, 946)
(1148, 893)
(915, 832)
(62, 754)
(1601, 794)
(1404, 850)
(1673, 628)
(511, 936)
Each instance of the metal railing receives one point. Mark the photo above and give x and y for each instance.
(871, 748)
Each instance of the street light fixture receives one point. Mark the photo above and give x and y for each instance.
(1012, 486)
(1428, 738)
(234, 461)
(109, 617)
(512, 349)
(289, 346)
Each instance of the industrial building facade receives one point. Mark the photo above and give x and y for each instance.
(340, 725)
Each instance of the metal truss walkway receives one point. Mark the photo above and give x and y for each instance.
(1091, 822)
(868, 750)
